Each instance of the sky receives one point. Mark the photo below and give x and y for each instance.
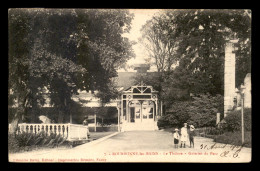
(140, 18)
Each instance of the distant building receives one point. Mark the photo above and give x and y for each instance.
(138, 106)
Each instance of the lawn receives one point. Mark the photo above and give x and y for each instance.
(234, 138)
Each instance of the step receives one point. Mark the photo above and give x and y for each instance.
(139, 126)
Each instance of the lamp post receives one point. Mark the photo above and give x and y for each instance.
(242, 113)
(241, 92)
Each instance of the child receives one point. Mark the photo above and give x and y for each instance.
(176, 138)
(191, 135)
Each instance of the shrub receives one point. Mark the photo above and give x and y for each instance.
(233, 120)
(13, 144)
(26, 141)
(163, 122)
(200, 112)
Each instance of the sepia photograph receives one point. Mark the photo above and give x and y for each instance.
(110, 85)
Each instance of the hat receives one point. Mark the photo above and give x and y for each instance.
(192, 127)
(176, 129)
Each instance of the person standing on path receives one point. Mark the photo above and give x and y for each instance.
(184, 135)
(176, 138)
(85, 123)
(191, 135)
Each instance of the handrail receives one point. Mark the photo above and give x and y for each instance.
(66, 130)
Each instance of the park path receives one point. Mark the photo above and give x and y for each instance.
(140, 146)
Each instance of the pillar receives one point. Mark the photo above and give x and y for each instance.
(118, 119)
(218, 118)
(229, 77)
(122, 108)
(154, 110)
(95, 118)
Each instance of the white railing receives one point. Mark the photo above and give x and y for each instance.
(69, 131)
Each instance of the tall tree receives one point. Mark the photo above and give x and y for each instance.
(102, 48)
(156, 39)
(199, 37)
(60, 51)
(201, 49)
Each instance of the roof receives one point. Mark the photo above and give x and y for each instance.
(125, 79)
(142, 66)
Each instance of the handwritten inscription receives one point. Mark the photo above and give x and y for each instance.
(229, 150)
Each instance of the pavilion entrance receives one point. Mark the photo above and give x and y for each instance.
(139, 108)
(141, 111)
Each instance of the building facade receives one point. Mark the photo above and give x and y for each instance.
(139, 108)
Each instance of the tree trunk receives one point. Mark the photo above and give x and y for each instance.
(15, 121)
(14, 125)
(60, 117)
(17, 117)
(33, 116)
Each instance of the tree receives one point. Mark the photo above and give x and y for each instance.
(18, 90)
(34, 63)
(102, 49)
(57, 52)
(199, 37)
(155, 38)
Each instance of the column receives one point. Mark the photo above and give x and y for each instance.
(154, 110)
(127, 107)
(95, 120)
(229, 77)
(141, 110)
(118, 119)
(122, 108)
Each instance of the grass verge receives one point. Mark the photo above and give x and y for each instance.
(234, 138)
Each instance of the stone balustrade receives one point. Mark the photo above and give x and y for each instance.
(69, 131)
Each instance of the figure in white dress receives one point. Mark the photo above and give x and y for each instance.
(184, 135)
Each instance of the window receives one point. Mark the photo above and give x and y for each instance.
(124, 107)
(151, 113)
(137, 113)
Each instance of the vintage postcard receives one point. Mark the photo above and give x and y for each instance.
(129, 85)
